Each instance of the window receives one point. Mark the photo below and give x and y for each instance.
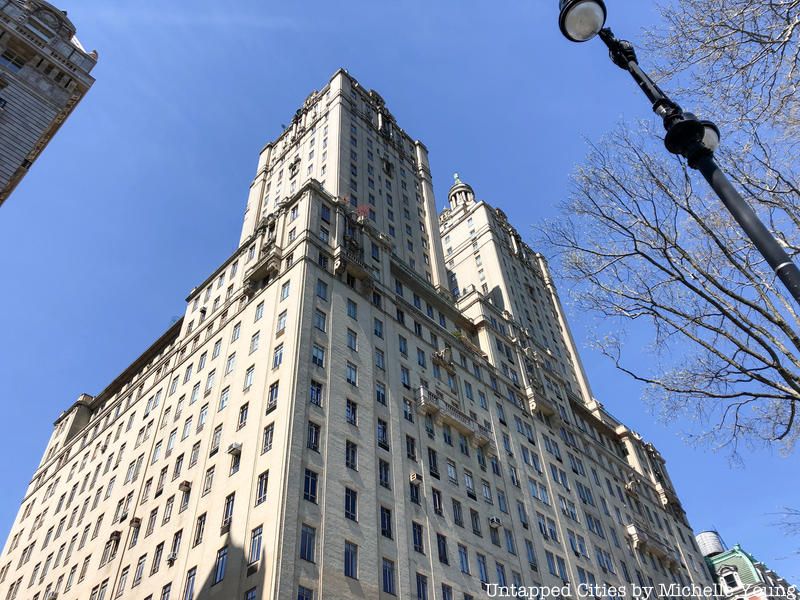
(351, 412)
(266, 443)
(229, 364)
(248, 377)
(304, 593)
(382, 434)
(188, 588)
(285, 290)
(413, 492)
(351, 504)
(352, 309)
(254, 341)
(313, 436)
(310, 486)
(352, 340)
(315, 393)
(463, 559)
(418, 537)
(405, 377)
(388, 576)
(351, 455)
(386, 522)
(219, 565)
(352, 374)
(259, 311)
(208, 481)
(350, 560)
(236, 331)
(411, 447)
(242, 420)
(380, 393)
(441, 546)
(227, 509)
(322, 290)
(261, 487)
(380, 359)
(308, 540)
(255, 545)
(422, 587)
(318, 355)
(320, 320)
(272, 397)
(384, 474)
(281, 323)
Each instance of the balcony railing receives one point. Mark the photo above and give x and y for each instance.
(268, 264)
(352, 260)
(643, 538)
(433, 402)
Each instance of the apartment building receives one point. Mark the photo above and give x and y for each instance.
(366, 399)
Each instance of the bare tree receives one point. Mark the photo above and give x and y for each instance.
(643, 238)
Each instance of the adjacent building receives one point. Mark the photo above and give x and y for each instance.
(366, 399)
(738, 574)
(44, 73)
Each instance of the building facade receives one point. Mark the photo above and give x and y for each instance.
(44, 73)
(739, 575)
(351, 407)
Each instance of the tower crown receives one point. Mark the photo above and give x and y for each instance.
(460, 193)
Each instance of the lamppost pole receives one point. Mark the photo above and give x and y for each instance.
(686, 136)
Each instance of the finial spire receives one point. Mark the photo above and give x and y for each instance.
(456, 178)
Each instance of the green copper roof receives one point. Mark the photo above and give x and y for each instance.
(737, 558)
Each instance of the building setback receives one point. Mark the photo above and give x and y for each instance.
(44, 73)
(351, 408)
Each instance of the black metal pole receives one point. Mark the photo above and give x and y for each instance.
(761, 237)
(685, 137)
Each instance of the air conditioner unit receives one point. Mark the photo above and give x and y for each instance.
(415, 477)
(226, 526)
(172, 557)
(185, 486)
(494, 522)
(136, 522)
(115, 535)
(235, 448)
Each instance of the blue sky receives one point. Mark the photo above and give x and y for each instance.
(140, 195)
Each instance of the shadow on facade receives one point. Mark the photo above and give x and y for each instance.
(239, 577)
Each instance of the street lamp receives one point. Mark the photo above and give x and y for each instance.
(687, 136)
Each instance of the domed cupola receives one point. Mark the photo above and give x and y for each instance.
(460, 193)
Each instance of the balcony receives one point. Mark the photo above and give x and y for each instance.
(352, 261)
(268, 264)
(434, 403)
(643, 539)
(666, 494)
(537, 401)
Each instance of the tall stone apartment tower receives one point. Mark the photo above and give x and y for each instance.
(330, 421)
(44, 73)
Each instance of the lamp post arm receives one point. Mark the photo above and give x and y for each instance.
(685, 138)
(623, 55)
